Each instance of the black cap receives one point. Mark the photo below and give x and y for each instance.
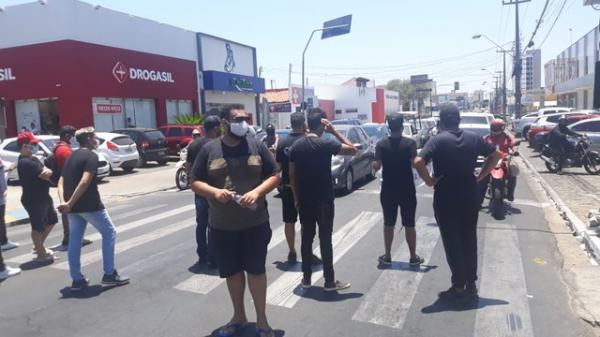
(211, 122)
(395, 121)
(449, 115)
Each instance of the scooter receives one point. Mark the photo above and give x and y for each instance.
(582, 156)
(500, 179)
(181, 177)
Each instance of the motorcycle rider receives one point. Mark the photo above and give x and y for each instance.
(271, 139)
(559, 143)
(504, 142)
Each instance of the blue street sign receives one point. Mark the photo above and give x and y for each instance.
(341, 26)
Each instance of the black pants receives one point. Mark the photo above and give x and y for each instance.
(457, 215)
(3, 237)
(2, 266)
(310, 216)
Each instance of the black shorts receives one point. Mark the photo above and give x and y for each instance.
(391, 201)
(290, 213)
(244, 250)
(41, 215)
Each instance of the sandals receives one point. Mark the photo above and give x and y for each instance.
(265, 332)
(231, 329)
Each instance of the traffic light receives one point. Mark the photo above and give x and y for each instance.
(456, 86)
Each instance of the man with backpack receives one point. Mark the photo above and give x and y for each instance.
(56, 162)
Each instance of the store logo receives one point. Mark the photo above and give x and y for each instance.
(242, 85)
(122, 73)
(229, 60)
(6, 75)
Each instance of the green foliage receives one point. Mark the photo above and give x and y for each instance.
(406, 89)
(189, 120)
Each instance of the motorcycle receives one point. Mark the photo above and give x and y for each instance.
(583, 156)
(181, 177)
(499, 183)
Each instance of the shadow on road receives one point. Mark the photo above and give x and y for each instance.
(203, 269)
(445, 305)
(320, 295)
(31, 265)
(248, 331)
(89, 292)
(405, 266)
(286, 266)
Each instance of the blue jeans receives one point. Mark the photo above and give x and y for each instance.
(101, 221)
(201, 226)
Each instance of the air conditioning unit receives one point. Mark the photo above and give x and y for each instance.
(591, 2)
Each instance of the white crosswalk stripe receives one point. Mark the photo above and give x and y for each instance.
(132, 225)
(389, 300)
(126, 245)
(281, 291)
(503, 281)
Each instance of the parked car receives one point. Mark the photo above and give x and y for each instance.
(591, 128)
(428, 130)
(376, 132)
(477, 123)
(151, 144)
(346, 170)
(521, 126)
(9, 153)
(348, 121)
(178, 136)
(548, 122)
(119, 149)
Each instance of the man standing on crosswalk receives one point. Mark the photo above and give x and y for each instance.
(312, 184)
(454, 154)
(80, 199)
(235, 174)
(395, 154)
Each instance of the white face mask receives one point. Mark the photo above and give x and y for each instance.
(239, 129)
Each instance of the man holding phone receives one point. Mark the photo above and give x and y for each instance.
(312, 185)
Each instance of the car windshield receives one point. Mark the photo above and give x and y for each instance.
(50, 143)
(332, 137)
(154, 135)
(473, 120)
(373, 130)
(478, 131)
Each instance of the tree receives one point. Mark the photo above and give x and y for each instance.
(406, 90)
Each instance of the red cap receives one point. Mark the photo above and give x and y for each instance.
(27, 138)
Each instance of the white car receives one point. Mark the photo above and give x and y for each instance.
(9, 153)
(119, 149)
(478, 123)
(522, 126)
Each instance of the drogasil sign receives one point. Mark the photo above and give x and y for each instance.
(122, 73)
(6, 75)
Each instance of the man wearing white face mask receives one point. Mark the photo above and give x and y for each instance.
(235, 174)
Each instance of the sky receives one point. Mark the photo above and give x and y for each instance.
(389, 39)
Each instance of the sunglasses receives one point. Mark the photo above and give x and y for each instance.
(240, 119)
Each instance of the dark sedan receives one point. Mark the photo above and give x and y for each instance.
(347, 170)
(151, 144)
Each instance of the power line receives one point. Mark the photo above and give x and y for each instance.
(539, 23)
(554, 23)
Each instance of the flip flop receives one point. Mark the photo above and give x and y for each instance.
(229, 330)
(265, 332)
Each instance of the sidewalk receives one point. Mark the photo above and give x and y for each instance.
(112, 189)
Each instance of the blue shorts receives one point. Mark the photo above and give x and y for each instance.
(245, 250)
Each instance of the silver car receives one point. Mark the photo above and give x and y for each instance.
(591, 128)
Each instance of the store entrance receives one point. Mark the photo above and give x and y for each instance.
(40, 116)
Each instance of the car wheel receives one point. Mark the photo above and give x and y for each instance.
(348, 181)
(162, 162)
(142, 162)
(128, 169)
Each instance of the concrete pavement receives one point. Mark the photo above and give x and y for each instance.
(522, 279)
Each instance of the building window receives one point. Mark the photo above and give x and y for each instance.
(585, 66)
(338, 112)
(353, 110)
(585, 99)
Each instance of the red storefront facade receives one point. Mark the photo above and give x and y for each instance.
(84, 84)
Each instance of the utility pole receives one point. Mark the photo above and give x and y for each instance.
(504, 83)
(496, 96)
(517, 59)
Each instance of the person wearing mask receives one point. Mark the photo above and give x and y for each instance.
(271, 139)
(505, 143)
(62, 152)
(395, 154)
(559, 141)
(212, 130)
(80, 199)
(35, 183)
(312, 185)
(235, 174)
(454, 154)
(5, 244)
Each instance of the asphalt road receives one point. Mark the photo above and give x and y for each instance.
(521, 291)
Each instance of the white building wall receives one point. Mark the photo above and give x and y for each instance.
(347, 99)
(57, 20)
(391, 101)
(214, 56)
(220, 98)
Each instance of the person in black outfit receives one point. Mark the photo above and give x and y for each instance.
(212, 130)
(396, 155)
(312, 185)
(558, 141)
(271, 139)
(456, 202)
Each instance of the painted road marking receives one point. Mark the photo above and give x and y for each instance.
(205, 283)
(281, 292)
(123, 246)
(503, 279)
(388, 301)
(132, 225)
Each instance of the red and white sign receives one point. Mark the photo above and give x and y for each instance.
(109, 108)
(122, 73)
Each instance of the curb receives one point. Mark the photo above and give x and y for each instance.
(588, 237)
(17, 222)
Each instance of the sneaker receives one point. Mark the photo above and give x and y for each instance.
(453, 293)
(8, 272)
(385, 260)
(86, 242)
(316, 260)
(212, 264)
(9, 245)
(60, 248)
(416, 261)
(79, 285)
(471, 290)
(335, 286)
(305, 283)
(50, 258)
(115, 279)
(292, 257)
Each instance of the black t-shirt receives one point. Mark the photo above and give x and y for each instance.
(35, 189)
(312, 160)
(82, 160)
(396, 155)
(454, 154)
(241, 169)
(283, 155)
(194, 148)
